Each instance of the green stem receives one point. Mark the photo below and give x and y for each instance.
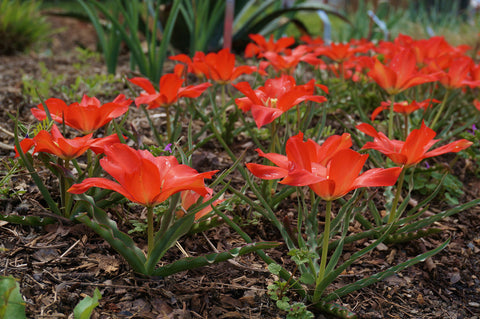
(393, 212)
(298, 118)
(155, 133)
(150, 230)
(224, 107)
(440, 110)
(169, 128)
(405, 124)
(326, 238)
(390, 118)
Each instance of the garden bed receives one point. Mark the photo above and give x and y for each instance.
(58, 265)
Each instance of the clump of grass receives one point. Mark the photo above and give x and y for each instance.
(21, 25)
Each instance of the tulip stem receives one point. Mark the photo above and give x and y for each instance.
(224, 107)
(405, 129)
(326, 239)
(65, 196)
(155, 133)
(390, 118)
(169, 128)
(440, 110)
(393, 212)
(150, 230)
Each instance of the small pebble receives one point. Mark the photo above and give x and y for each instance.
(474, 304)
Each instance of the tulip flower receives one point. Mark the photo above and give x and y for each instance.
(261, 45)
(195, 65)
(277, 96)
(414, 149)
(331, 170)
(403, 107)
(222, 68)
(143, 178)
(86, 116)
(190, 197)
(287, 62)
(400, 74)
(66, 149)
(170, 91)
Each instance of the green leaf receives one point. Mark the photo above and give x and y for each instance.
(274, 268)
(307, 278)
(196, 262)
(384, 274)
(84, 308)
(27, 220)
(11, 301)
(109, 231)
(167, 240)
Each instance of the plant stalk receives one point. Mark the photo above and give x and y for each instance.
(326, 239)
(150, 230)
(440, 110)
(393, 212)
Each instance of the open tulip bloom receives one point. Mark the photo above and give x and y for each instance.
(54, 143)
(86, 116)
(145, 179)
(277, 96)
(170, 91)
(415, 148)
(330, 170)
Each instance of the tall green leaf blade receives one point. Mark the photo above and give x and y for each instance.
(169, 238)
(196, 262)
(384, 274)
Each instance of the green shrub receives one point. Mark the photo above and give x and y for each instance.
(21, 25)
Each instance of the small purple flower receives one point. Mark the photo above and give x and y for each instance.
(168, 148)
(427, 165)
(474, 128)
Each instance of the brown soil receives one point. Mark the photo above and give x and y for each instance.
(58, 265)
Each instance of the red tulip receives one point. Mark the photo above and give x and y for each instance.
(400, 74)
(403, 107)
(414, 149)
(143, 178)
(330, 170)
(190, 197)
(170, 91)
(261, 45)
(276, 97)
(195, 65)
(222, 68)
(67, 149)
(287, 62)
(86, 116)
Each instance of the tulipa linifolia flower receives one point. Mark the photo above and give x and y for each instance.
(54, 143)
(222, 69)
(189, 198)
(170, 90)
(403, 107)
(331, 170)
(415, 148)
(86, 116)
(399, 74)
(277, 96)
(262, 45)
(143, 178)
